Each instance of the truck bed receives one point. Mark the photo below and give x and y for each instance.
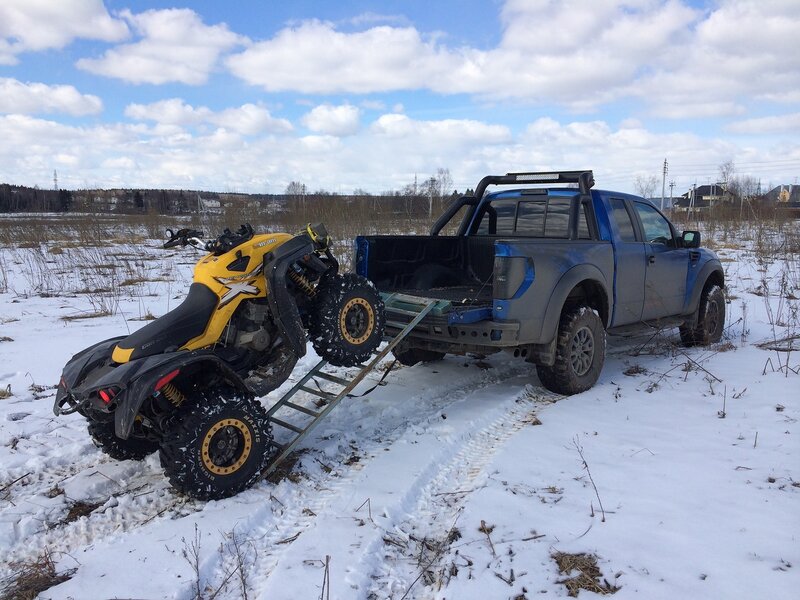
(461, 295)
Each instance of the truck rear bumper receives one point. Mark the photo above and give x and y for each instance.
(437, 328)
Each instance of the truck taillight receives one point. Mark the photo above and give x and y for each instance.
(513, 275)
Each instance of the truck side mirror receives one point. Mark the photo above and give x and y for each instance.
(691, 239)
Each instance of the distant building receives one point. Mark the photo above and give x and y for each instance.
(784, 194)
(209, 205)
(705, 197)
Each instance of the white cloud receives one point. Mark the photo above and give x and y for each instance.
(387, 154)
(33, 98)
(333, 120)
(33, 25)
(248, 119)
(176, 46)
(172, 111)
(767, 125)
(316, 58)
(676, 59)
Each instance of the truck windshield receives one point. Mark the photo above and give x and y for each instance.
(546, 217)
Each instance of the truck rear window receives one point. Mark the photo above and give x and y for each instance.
(542, 217)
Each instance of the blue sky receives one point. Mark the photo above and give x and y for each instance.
(250, 95)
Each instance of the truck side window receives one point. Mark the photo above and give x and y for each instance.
(656, 227)
(556, 224)
(583, 223)
(506, 211)
(622, 220)
(531, 218)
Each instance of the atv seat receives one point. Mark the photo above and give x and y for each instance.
(171, 331)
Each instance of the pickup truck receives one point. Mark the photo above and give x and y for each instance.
(544, 273)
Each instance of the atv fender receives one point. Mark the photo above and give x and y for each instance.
(148, 371)
(84, 361)
(283, 306)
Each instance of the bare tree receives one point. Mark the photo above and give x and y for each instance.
(645, 186)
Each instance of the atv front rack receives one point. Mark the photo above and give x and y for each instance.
(417, 308)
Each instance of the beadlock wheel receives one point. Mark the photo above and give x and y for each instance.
(357, 320)
(347, 319)
(218, 445)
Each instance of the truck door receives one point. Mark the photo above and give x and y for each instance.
(630, 265)
(667, 265)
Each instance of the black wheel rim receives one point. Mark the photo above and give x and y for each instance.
(712, 317)
(582, 351)
(226, 446)
(357, 321)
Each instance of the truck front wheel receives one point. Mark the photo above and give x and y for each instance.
(580, 353)
(710, 320)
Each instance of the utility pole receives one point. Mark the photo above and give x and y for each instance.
(671, 185)
(663, 183)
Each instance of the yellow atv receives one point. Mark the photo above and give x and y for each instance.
(186, 384)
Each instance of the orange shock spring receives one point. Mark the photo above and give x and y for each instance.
(303, 283)
(173, 394)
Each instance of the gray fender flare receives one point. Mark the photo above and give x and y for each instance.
(693, 300)
(569, 280)
(142, 386)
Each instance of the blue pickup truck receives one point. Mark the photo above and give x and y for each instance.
(545, 273)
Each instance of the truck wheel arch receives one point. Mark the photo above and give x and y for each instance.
(581, 285)
(711, 274)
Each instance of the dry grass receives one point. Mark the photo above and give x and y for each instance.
(6, 392)
(79, 509)
(31, 578)
(588, 574)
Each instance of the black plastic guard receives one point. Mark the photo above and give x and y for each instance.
(141, 384)
(281, 303)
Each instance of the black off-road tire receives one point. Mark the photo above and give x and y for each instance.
(411, 356)
(580, 353)
(218, 446)
(347, 319)
(710, 319)
(104, 437)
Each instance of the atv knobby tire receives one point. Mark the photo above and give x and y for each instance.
(411, 356)
(708, 327)
(580, 353)
(218, 446)
(347, 319)
(106, 439)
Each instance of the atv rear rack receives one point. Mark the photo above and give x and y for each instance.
(417, 308)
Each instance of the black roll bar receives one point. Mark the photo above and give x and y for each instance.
(584, 179)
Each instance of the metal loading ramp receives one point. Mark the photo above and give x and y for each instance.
(300, 420)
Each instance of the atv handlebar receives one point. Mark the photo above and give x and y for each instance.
(182, 237)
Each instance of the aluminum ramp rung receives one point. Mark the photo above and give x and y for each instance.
(302, 409)
(334, 399)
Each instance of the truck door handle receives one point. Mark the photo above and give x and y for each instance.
(651, 259)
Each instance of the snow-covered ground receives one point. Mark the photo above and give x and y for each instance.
(679, 470)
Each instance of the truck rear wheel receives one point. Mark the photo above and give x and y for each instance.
(710, 320)
(218, 446)
(347, 321)
(580, 353)
(104, 437)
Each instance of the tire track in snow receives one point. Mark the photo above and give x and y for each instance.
(439, 502)
(273, 531)
(135, 496)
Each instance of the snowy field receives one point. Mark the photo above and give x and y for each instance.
(679, 472)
